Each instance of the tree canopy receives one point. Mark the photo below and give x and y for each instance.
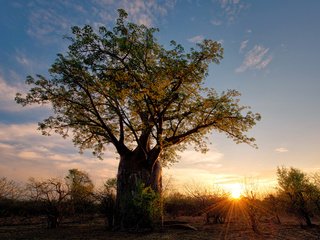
(299, 192)
(122, 87)
(81, 186)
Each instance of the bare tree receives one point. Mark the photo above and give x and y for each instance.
(107, 196)
(213, 203)
(53, 192)
(252, 203)
(315, 191)
(274, 205)
(9, 189)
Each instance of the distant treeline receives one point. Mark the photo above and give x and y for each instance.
(75, 197)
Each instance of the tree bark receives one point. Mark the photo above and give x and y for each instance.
(134, 171)
(307, 218)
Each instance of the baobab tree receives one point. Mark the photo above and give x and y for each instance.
(121, 87)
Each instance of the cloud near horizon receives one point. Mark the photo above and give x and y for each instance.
(195, 165)
(281, 150)
(26, 153)
(8, 94)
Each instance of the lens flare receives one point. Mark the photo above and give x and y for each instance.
(235, 191)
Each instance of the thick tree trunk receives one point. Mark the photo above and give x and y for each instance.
(307, 219)
(52, 217)
(135, 172)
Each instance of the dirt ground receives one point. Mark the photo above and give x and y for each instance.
(96, 230)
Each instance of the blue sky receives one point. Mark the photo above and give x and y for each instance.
(271, 57)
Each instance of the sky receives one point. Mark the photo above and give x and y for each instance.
(271, 55)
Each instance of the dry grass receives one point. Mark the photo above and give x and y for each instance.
(233, 230)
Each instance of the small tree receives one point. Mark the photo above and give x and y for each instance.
(143, 206)
(315, 191)
(274, 205)
(252, 204)
(53, 193)
(106, 196)
(81, 189)
(296, 186)
(9, 189)
(122, 87)
(211, 202)
(11, 194)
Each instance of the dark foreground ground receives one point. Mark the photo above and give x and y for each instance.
(95, 229)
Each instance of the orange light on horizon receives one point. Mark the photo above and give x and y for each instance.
(235, 190)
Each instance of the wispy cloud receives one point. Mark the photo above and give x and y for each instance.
(216, 22)
(25, 153)
(47, 24)
(50, 20)
(196, 39)
(243, 45)
(257, 58)
(195, 165)
(8, 93)
(27, 63)
(230, 11)
(281, 150)
(192, 158)
(145, 12)
(22, 59)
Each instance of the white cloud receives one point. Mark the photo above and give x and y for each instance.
(195, 165)
(25, 153)
(193, 158)
(7, 96)
(8, 93)
(45, 21)
(256, 58)
(29, 64)
(196, 39)
(243, 45)
(139, 11)
(50, 20)
(216, 22)
(23, 60)
(281, 150)
(232, 8)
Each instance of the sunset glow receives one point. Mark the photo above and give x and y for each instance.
(235, 191)
(260, 61)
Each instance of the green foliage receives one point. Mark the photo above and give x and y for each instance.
(292, 180)
(120, 86)
(81, 189)
(107, 199)
(298, 191)
(110, 185)
(143, 207)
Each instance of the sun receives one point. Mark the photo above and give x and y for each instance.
(235, 191)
